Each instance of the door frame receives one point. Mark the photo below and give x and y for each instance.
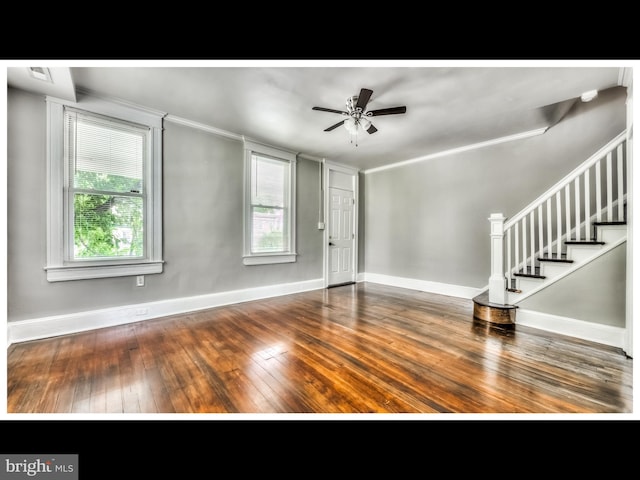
(629, 307)
(327, 168)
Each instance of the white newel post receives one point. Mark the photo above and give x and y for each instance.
(497, 287)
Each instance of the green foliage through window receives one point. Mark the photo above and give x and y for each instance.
(103, 181)
(107, 226)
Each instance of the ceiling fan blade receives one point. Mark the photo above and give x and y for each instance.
(363, 98)
(386, 111)
(372, 129)
(334, 126)
(331, 110)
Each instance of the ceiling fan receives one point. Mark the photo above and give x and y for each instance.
(357, 114)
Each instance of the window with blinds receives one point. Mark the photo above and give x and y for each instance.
(269, 205)
(106, 189)
(104, 192)
(269, 214)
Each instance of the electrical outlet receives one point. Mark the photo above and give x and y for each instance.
(140, 281)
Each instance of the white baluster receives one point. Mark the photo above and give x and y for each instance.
(516, 243)
(508, 272)
(567, 204)
(524, 244)
(598, 167)
(559, 225)
(587, 206)
(620, 185)
(549, 227)
(533, 241)
(577, 207)
(540, 232)
(609, 189)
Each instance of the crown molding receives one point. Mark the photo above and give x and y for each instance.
(466, 148)
(202, 126)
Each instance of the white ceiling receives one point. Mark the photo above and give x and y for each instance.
(448, 107)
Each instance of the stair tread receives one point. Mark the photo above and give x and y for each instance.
(583, 242)
(620, 222)
(554, 259)
(529, 275)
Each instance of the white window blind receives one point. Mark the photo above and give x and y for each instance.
(106, 161)
(269, 205)
(104, 150)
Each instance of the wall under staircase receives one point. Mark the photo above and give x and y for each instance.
(578, 220)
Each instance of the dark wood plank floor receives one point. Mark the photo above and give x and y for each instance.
(361, 348)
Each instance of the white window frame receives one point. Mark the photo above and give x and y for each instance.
(289, 256)
(60, 266)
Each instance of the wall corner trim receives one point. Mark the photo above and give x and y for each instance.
(201, 126)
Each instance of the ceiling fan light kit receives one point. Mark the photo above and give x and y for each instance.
(351, 124)
(357, 114)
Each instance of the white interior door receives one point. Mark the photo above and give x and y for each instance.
(341, 237)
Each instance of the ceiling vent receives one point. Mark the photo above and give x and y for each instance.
(41, 73)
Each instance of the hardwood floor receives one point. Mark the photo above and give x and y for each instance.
(363, 348)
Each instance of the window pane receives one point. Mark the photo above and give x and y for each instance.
(268, 182)
(107, 226)
(267, 230)
(108, 156)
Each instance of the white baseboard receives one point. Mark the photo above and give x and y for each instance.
(33, 329)
(595, 332)
(424, 285)
(605, 334)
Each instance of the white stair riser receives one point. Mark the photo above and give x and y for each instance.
(553, 269)
(580, 253)
(525, 284)
(611, 233)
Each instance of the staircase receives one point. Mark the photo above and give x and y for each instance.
(577, 220)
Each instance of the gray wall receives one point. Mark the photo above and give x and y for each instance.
(428, 220)
(362, 185)
(595, 293)
(425, 221)
(203, 177)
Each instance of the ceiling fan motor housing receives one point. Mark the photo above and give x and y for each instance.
(351, 105)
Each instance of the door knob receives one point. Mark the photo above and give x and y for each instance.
(331, 244)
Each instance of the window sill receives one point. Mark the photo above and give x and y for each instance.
(269, 258)
(61, 274)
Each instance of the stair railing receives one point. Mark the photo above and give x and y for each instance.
(564, 212)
